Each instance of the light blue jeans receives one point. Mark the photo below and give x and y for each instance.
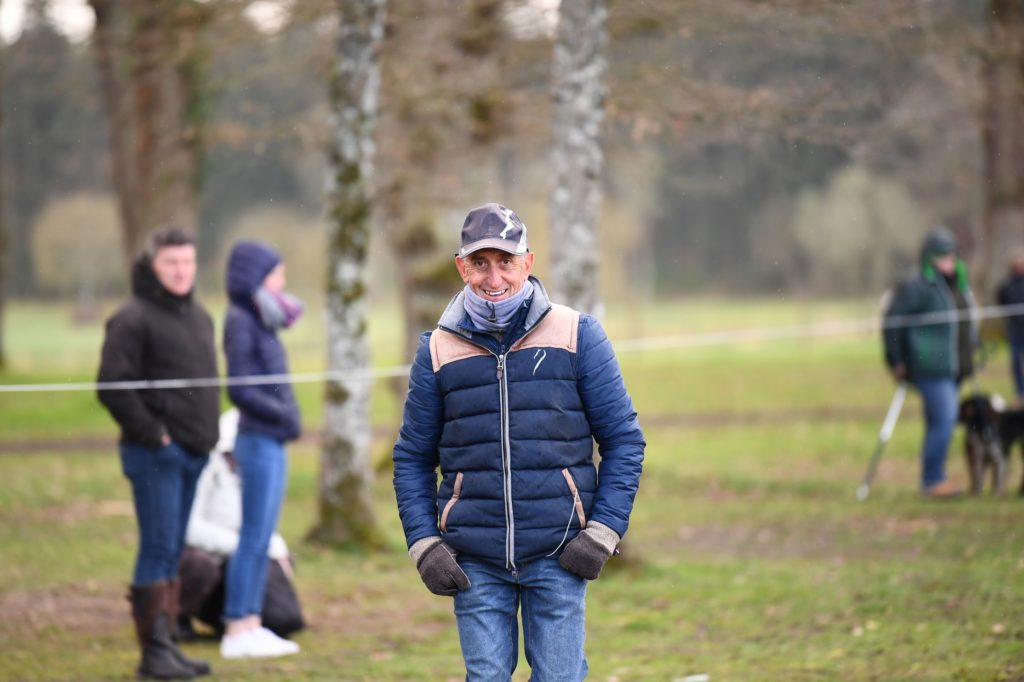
(940, 398)
(263, 468)
(552, 602)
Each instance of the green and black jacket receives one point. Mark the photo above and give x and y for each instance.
(939, 348)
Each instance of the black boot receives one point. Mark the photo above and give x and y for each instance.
(184, 632)
(153, 630)
(198, 667)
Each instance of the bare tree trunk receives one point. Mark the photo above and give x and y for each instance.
(446, 104)
(149, 61)
(346, 505)
(578, 94)
(427, 278)
(1002, 127)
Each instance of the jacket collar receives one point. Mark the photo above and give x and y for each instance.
(455, 318)
(146, 286)
(930, 274)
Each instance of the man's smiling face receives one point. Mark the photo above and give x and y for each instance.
(494, 275)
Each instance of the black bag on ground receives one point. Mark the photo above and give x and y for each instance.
(202, 594)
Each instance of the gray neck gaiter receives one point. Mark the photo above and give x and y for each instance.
(493, 316)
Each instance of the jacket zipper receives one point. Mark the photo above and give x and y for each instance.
(506, 466)
(506, 445)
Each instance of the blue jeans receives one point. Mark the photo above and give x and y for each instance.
(163, 486)
(553, 621)
(1016, 357)
(263, 469)
(940, 413)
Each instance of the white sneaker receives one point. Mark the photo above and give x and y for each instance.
(271, 640)
(258, 643)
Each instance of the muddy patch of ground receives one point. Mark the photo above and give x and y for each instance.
(87, 608)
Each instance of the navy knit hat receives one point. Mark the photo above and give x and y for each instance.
(492, 226)
(248, 265)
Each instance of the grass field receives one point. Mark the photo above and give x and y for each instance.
(748, 557)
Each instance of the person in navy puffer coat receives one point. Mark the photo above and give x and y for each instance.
(507, 397)
(268, 418)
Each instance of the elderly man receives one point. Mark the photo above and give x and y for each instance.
(162, 332)
(507, 397)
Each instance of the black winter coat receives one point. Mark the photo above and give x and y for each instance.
(156, 335)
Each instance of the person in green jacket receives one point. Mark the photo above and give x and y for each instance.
(929, 339)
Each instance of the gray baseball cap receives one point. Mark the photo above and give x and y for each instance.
(492, 226)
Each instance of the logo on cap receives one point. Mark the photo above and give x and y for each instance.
(493, 226)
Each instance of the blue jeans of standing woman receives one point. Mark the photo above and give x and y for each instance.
(940, 411)
(552, 601)
(163, 487)
(263, 469)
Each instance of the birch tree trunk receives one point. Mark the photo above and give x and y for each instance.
(578, 94)
(1002, 125)
(150, 64)
(346, 505)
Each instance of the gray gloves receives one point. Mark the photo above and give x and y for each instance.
(436, 563)
(587, 553)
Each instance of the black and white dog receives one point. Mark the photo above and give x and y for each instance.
(988, 440)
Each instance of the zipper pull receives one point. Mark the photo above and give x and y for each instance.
(501, 366)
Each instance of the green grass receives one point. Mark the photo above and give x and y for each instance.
(748, 557)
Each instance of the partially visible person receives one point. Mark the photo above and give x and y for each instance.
(212, 537)
(933, 352)
(1011, 293)
(161, 332)
(259, 307)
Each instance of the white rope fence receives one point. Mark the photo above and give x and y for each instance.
(695, 340)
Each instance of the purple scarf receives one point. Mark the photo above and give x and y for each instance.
(277, 310)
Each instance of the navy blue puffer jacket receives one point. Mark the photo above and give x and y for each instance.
(253, 349)
(511, 424)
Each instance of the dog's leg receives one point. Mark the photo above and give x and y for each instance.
(998, 468)
(974, 463)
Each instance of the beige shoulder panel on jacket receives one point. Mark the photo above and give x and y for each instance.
(446, 347)
(558, 329)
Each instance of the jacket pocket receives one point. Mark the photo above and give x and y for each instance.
(577, 502)
(456, 491)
